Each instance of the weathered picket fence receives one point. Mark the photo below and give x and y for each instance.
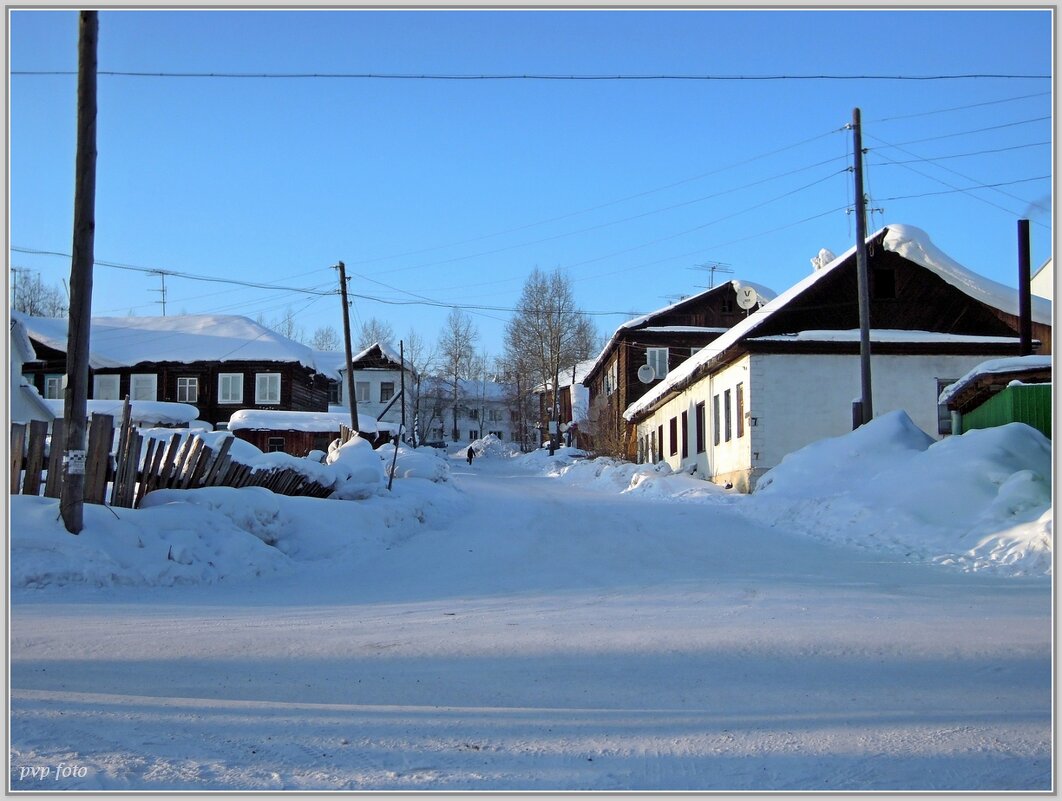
(180, 463)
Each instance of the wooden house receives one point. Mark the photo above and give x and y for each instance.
(380, 374)
(663, 340)
(298, 433)
(788, 376)
(573, 406)
(216, 363)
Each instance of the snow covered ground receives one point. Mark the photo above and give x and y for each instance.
(537, 623)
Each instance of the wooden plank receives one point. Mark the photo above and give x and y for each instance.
(38, 435)
(162, 480)
(206, 456)
(216, 464)
(53, 487)
(120, 454)
(216, 476)
(190, 460)
(153, 469)
(18, 446)
(145, 474)
(136, 440)
(98, 458)
(173, 477)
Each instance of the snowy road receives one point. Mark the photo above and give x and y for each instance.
(544, 637)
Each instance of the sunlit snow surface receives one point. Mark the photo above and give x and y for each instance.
(552, 623)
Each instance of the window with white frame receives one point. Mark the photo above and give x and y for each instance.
(387, 391)
(266, 389)
(230, 387)
(187, 389)
(144, 386)
(362, 390)
(611, 376)
(657, 359)
(335, 393)
(53, 387)
(105, 387)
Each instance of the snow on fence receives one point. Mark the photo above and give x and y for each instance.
(180, 463)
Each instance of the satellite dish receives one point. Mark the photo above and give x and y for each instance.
(746, 297)
(646, 374)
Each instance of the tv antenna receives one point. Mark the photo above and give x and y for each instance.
(161, 291)
(713, 267)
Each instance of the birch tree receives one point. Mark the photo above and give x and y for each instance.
(457, 346)
(548, 333)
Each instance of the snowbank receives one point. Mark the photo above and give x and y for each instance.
(980, 501)
(414, 463)
(158, 546)
(359, 472)
(492, 447)
(541, 462)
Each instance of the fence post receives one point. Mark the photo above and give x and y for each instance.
(18, 447)
(53, 487)
(38, 434)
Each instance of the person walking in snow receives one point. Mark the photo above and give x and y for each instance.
(471, 454)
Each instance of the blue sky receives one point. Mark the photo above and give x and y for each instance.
(450, 192)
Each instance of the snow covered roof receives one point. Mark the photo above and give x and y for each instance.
(765, 294)
(1011, 366)
(907, 241)
(275, 420)
(333, 363)
(141, 412)
(20, 342)
(126, 341)
(914, 245)
(885, 335)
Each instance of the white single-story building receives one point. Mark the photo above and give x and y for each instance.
(790, 374)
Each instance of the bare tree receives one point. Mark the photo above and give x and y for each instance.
(30, 296)
(326, 338)
(548, 333)
(421, 359)
(285, 325)
(373, 331)
(457, 345)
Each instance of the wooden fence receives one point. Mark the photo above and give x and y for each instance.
(181, 463)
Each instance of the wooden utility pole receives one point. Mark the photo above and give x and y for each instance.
(346, 342)
(863, 287)
(77, 351)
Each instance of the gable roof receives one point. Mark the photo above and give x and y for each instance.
(643, 322)
(907, 241)
(125, 341)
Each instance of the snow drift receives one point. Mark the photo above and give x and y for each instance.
(977, 501)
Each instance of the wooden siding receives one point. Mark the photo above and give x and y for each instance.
(301, 389)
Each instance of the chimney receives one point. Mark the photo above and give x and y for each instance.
(1024, 291)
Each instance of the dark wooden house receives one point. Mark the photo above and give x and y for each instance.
(218, 364)
(663, 340)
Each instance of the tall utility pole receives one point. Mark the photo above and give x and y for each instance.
(863, 287)
(346, 342)
(77, 350)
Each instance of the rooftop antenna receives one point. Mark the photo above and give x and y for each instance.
(162, 291)
(713, 267)
(674, 298)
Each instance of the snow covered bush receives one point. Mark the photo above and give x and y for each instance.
(491, 446)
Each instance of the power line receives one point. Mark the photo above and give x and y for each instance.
(534, 76)
(967, 189)
(959, 155)
(958, 108)
(178, 274)
(599, 206)
(972, 131)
